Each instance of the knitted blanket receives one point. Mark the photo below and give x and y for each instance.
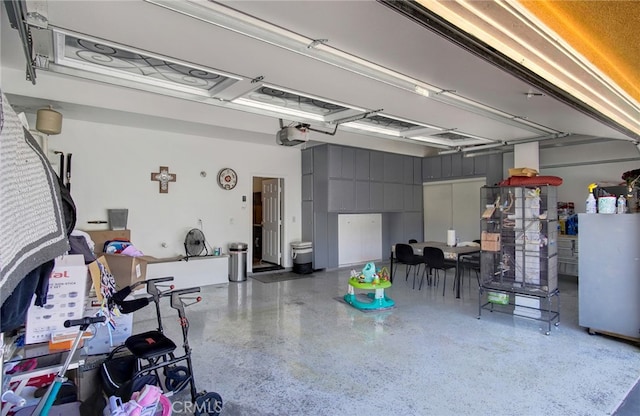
(32, 227)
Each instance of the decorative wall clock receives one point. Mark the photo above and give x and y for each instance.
(227, 178)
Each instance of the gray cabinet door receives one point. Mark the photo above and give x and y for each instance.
(348, 163)
(393, 198)
(307, 161)
(376, 166)
(307, 187)
(393, 168)
(363, 196)
(334, 160)
(307, 221)
(408, 198)
(417, 170)
(468, 166)
(363, 165)
(407, 170)
(446, 166)
(321, 241)
(341, 195)
(431, 168)
(479, 165)
(376, 190)
(417, 198)
(456, 165)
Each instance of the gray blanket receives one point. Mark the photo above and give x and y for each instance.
(32, 229)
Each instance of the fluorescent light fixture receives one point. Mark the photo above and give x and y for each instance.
(372, 128)
(422, 91)
(299, 115)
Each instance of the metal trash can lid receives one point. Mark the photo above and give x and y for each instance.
(238, 246)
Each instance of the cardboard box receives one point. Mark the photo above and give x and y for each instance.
(490, 241)
(65, 299)
(126, 270)
(101, 236)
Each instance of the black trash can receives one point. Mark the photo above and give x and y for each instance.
(238, 262)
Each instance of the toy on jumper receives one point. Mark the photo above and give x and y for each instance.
(369, 279)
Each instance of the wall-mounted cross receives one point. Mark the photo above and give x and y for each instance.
(163, 177)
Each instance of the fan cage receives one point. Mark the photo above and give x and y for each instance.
(195, 243)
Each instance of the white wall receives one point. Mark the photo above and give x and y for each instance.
(112, 166)
(581, 165)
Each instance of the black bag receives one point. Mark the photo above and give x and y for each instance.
(68, 207)
(117, 375)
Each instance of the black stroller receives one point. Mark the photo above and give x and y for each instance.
(149, 352)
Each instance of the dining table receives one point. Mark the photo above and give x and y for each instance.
(450, 253)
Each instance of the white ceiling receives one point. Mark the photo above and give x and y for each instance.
(365, 29)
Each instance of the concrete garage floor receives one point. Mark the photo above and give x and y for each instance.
(291, 348)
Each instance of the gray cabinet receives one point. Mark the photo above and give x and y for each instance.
(431, 168)
(609, 281)
(468, 166)
(393, 199)
(376, 190)
(339, 180)
(307, 187)
(407, 169)
(363, 196)
(341, 195)
(417, 171)
(457, 166)
(341, 162)
(307, 162)
(363, 165)
(376, 166)
(413, 198)
(393, 170)
(480, 164)
(445, 166)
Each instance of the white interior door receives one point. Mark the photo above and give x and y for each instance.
(271, 221)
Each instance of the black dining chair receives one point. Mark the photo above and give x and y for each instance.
(434, 260)
(471, 263)
(405, 255)
(413, 240)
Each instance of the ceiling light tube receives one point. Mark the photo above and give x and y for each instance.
(484, 146)
(483, 153)
(538, 139)
(278, 109)
(422, 91)
(372, 129)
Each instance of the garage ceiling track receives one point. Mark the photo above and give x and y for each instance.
(424, 83)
